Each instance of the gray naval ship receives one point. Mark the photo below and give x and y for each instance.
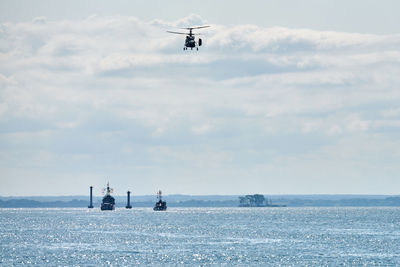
(108, 202)
(160, 205)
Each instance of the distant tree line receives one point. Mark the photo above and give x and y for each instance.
(27, 203)
(256, 200)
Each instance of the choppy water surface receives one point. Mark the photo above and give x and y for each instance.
(201, 236)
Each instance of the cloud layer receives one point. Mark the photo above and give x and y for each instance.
(269, 110)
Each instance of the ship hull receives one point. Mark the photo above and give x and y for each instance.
(159, 208)
(263, 206)
(107, 206)
(160, 205)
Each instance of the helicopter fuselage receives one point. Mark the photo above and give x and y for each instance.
(190, 41)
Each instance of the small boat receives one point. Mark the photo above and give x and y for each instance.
(108, 202)
(160, 205)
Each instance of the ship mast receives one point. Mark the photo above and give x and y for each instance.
(107, 191)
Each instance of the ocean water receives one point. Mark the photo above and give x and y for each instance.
(201, 236)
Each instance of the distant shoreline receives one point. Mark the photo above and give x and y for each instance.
(205, 201)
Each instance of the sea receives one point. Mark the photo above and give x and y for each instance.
(280, 236)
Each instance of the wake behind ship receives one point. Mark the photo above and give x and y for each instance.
(108, 202)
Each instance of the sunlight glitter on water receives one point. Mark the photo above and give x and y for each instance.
(201, 236)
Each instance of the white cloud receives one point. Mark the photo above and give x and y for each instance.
(116, 89)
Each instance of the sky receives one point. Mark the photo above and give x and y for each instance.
(284, 97)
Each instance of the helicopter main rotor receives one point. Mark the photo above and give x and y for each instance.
(185, 33)
(194, 28)
(190, 33)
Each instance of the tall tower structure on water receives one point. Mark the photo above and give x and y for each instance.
(128, 200)
(91, 198)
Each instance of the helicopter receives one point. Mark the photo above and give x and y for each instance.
(190, 41)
